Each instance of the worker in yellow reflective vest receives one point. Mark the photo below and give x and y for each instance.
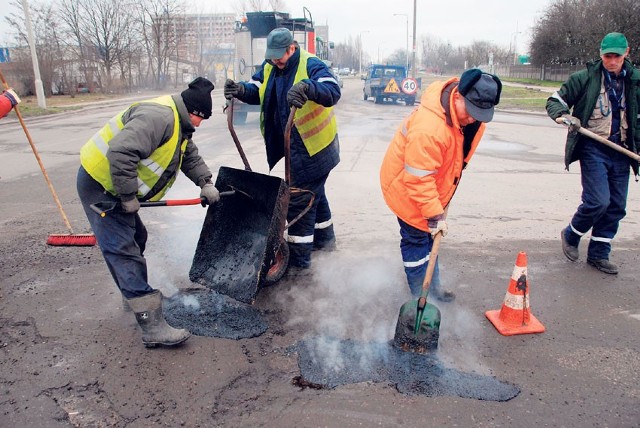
(291, 76)
(136, 157)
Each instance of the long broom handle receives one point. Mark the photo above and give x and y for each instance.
(602, 140)
(35, 152)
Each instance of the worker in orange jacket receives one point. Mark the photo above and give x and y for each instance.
(423, 165)
(8, 100)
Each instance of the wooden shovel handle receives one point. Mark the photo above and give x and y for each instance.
(603, 140)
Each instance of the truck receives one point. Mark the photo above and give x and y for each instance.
(251, 43)
(390, 82)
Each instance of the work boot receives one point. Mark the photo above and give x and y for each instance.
(569, 250)
(155, 330)
(604, 265)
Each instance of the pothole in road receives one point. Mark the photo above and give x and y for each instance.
(328, 363)
(208, 313)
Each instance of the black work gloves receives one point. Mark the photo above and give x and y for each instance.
(297, 95)
(233, 89)
(129, 204)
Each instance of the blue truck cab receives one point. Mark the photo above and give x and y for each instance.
(383, 83)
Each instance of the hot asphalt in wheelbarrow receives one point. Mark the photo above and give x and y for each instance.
(241, 234)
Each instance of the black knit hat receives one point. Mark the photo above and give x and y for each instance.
(197, 97)
(481, 92)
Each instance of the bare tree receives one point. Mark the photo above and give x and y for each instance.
(161, 36)
(570, 31)
(49, 48)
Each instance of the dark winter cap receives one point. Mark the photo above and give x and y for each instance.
(481, 92)
(197, 97)
(614, 43)
(278, 41)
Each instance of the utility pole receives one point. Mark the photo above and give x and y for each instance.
(42, 103)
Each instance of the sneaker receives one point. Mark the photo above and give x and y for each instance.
(604, 265)
(569, 250)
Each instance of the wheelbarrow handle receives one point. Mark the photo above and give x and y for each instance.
(104, 207)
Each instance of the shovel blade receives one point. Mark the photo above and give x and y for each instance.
(417, 332)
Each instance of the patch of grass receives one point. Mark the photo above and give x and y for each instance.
(60, 103)
(533, 82)
(522, 98)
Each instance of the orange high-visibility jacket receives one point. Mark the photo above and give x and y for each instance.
(423, 164)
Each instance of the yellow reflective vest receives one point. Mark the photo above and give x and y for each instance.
(93, 155)
(316, 124)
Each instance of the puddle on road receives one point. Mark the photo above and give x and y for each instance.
(329, 363)
(208, 313)
(489, 145)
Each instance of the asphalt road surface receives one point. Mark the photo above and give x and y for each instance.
(70, 355)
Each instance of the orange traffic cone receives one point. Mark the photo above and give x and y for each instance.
(515, 315)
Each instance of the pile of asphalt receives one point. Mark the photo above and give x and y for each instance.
(328, 363)
(208, 313)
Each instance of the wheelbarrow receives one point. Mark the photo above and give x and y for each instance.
(241, 247)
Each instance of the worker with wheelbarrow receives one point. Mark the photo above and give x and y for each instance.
(136, 157)
(292, 77)
(424, 162)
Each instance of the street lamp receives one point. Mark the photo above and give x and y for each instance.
(413, 54)
(406, 17)
(360, 61)
(515, 45)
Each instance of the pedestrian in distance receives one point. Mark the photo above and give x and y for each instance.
(291, 76)
(8, 100)
(424, 162)
(604, 98)
(136, 157)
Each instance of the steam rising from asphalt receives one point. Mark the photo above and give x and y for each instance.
(190, 302)
(359, 299)
(460, 328)
(173, 237)
(348, 298)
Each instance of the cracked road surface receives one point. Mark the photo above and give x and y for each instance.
(71, 356)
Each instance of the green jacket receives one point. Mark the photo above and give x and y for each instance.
(580, 92)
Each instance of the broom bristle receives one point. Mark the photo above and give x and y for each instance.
(72, 240)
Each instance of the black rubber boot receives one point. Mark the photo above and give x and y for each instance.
(155, 330)
(569, 251)
(604, 265)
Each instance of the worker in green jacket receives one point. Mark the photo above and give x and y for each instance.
(604, 98)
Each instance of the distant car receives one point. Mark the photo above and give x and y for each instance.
(338, 78)
(344, 71)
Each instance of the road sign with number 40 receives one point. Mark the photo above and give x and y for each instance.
(409, 86)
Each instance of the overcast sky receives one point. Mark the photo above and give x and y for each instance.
(459, 22)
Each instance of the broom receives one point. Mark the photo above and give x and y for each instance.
(69, 239)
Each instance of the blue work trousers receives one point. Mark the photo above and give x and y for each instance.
(314, 230)
(121, 237)
(415, 246)
(605, 183)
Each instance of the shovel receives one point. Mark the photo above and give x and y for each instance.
(602, 140)
(418, 327)
(105, 207)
